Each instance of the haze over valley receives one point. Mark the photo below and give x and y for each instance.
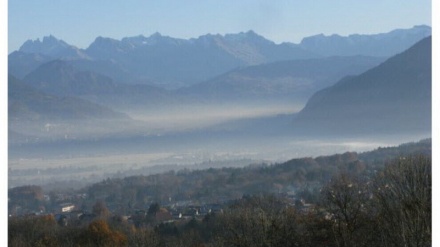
(216, 100)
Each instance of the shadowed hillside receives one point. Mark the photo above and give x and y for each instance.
(390, 98)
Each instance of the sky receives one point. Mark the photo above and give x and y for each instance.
(79, 22)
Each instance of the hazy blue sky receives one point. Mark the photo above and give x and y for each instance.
(79, 22)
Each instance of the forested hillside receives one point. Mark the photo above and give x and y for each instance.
(345, 199)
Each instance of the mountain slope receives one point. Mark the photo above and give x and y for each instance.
(61, 78)
(21, 63)
(293, 78)
(392, 97)
(28, 104)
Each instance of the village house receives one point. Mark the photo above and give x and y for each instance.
(66, 207)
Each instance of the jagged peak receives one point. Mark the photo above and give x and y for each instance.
(249, 36)
(47, 40)
(137, 37)
(48, 45)
(156, 34)
(135, 40)
(50, 38)
(104, 39)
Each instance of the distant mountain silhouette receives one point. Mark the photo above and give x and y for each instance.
(25, 103)
(285, 79)
(53, 47)
(383, 44)
(61, 78)
(21, 63)
(392, 97)
(174, 63)
(293, 78)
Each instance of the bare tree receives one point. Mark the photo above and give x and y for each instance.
(403, 196)
(100, 209)
(345, 198)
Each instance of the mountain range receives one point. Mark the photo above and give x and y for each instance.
(383, 44)
(173, 63)
(296, 80)
(62, 79)
(50, 80)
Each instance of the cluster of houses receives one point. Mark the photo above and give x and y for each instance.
(166, 214)
(66, 212)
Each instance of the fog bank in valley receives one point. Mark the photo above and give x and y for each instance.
(191, 136)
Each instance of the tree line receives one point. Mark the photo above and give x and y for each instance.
(390, 208)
